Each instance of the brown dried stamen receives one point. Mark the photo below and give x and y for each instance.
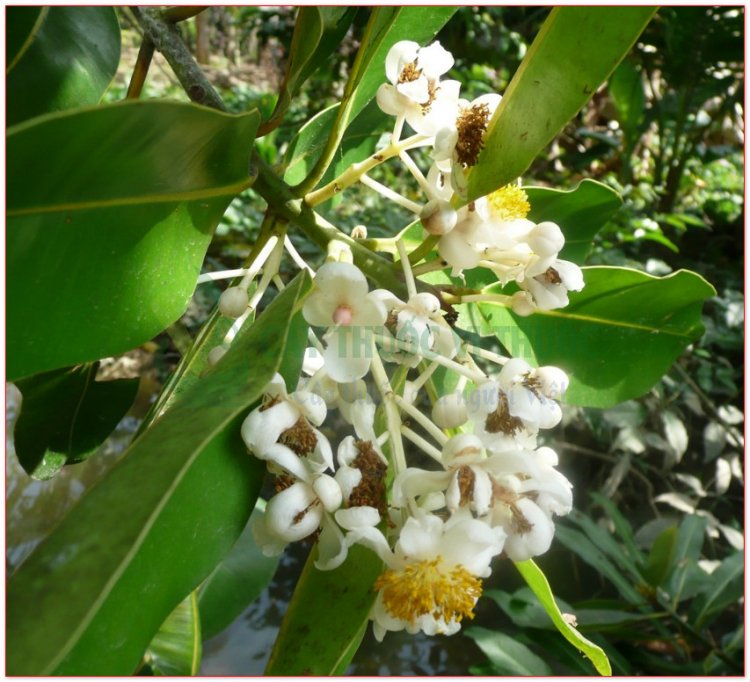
(269, 402)
(300, 438)
(282, 482)
(370, 492)
(301, 515)
(552, 276)
(501, 420)
(409, 73)
(471, 125)
(466, 478)
(432, 90)
(519, 523)
(391, 322)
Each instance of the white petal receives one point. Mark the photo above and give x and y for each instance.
(374, 540)
(570, 274)
(311, 405)
(291, 514)
(546, 239)
(403, 52)
(554, 382)
(445, 143)
(269, 543)
(348, 479)
(328, 492)
(472, 544)
(520, 547)
(348, 354)
(482, 491)
(416, 90)
(390, 100)
(322, 456)
(413, 482)
(362, 416)
(420, 538)
(483, 400)
(347, 451)
(369, 311)
(288, 460)
(262, 428)
(357, 517)
(460, 446)
(434, 60)
(332, 550)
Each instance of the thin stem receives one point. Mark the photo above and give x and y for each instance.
(429, 355)
(422, 419)
(430, 266)
(424, 377)
(418, 176)
(427, 245)
(422, 444)
(398, 128)
(389, 194)
(354, 173)
(486, 354)
(140, 70)
(298, 260)
(483, 298)
(411, 285)
(392, 415)
(221, 274)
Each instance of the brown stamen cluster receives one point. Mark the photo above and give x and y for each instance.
(269, 403)
(432, 90)
(501, 420)
(552, 276)
(370, 491)
(520, 524)
(409, 73)
(391, 322)
(300, 438)
(466, 478)
(471, 125)
(282, 482)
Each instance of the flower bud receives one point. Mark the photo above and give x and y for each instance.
(359, 232)
(546, 239)
(233, 302)
(438, 217)
(522, 304)
(449, 411)
(553, 381)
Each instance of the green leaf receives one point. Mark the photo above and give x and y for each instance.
(507, 655)
(622, 526)
(66, 58)
(573, 54)
(615, 339)
(660, 559)
(113, 239)
(580, 213)
(626, 90)
(578, 543)
(176, 649)
(235, 583)
(317, 33)
(90, 598)
(66, 415)
(725, 587)
(386, 26)
(537, 581)
(327, 616)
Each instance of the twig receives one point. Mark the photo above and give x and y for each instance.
(166, 38)
(140, 70)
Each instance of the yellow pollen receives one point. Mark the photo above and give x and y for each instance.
(509, 203)
(427, 587)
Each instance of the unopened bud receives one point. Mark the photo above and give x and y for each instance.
(449, 411)
(553, 381)
(438, 217)
(233, 302)
(522, 303)
(546, 239)
(359, 232)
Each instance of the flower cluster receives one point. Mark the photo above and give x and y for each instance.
(489, 488)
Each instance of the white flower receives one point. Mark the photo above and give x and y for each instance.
(511, 409)
(288, 417)
(550, 288)
(415, 90)
(458, 144)
(432, 578)
(341, 302)
(418, 322)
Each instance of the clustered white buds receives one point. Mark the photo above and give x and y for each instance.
(493, 489)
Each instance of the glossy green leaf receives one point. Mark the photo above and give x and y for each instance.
(114, 240)
(615, 339)
(158, 524)
(580, 213)
(537, 581)
(622, 526)
(66, 415)
(67, 59)
(660, 559)
(507, 656)
(235, 583)
(324, 623)
(176, 649)
(573, 54)
(386, 26)
(725, 587)
(317, 33)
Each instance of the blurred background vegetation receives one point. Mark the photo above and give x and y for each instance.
(651, 561)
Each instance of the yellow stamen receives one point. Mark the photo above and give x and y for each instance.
(509, 203)
(427, 587)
